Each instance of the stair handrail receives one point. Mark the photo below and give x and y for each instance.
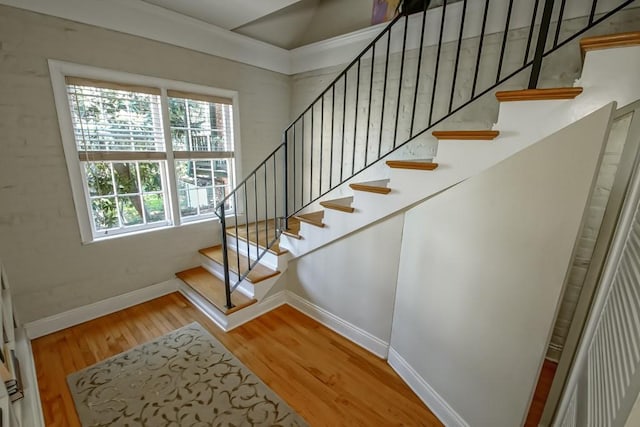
(287, 149)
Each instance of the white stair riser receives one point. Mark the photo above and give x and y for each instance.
(269, 259)
(218, 271)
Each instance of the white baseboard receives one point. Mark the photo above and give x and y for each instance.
(249, 313)
(31, 404)
(425, 392)
(359, 336)
(85, 313)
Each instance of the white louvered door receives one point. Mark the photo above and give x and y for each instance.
(605, 380)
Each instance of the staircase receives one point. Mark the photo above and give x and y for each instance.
(309, 192)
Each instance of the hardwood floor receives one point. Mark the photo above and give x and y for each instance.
(327, 379)
(541, 393)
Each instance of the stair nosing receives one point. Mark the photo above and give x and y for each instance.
(609, 41)
(538, 94)
(484, 135)
(412, 164)
(302, 218)
(370, 188)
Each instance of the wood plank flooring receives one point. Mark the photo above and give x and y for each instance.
(324, 377)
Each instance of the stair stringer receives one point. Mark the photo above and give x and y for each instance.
(521, 124)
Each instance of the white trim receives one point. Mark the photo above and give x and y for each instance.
(66, 319)
(355, 334)
(256, 310)
(31, 404)
(425, 392)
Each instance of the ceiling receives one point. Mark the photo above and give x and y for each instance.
(224, 13)
(283, 23)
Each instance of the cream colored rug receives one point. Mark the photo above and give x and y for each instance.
(185, 378)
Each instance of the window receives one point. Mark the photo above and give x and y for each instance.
(143, 153)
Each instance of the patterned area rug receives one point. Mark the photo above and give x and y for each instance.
(185, 378)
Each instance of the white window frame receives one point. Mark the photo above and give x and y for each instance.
(59, 70)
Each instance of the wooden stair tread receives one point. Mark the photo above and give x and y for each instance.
(343, 204)
(484, 135)
(538, 94)
(609, 41)
(265, 230)
(257, 274)
(379, 187)
(313, 218)
(293, 229)
(212, 289)
(427, 165)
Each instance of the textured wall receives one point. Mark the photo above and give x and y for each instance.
(40, 244)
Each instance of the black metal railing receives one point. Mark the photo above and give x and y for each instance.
(411, 77)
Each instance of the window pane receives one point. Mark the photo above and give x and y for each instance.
(150, 176)
(188, 202)
(115, 120)
(154, 207)
(126, 178)
(99, 179)
(207, 201)
(200, 125)
(184, 174)
(204, 174)
(105, 213)
(130, 210)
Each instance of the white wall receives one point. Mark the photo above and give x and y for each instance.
(481, 273)
(354, 278)
(40, 242)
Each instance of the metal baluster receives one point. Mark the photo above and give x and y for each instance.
(421, 48)
(293, 183)
(266, 208)
(531, 28)
(504, 40)
(235, 202)
(302, 165)
(227, 285)
(560, 15)
(484, 26)
(593, 11)
(366, 149)
(333, 118)
(384, 92)
(455, 68)
(311, 154)
(344, 119)
(404, 47)
(246, 221)
(435, 76)
(540, 46)
(286, 177)
(321, 145)
(355, 121)
(255, 196)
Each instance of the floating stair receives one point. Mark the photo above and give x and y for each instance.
(313, 218)
(212, 289)
(426, 165)
(256, 275)
(343, 204)
(485, 135)
(379, 187)
(609, 41)
(538, 94)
